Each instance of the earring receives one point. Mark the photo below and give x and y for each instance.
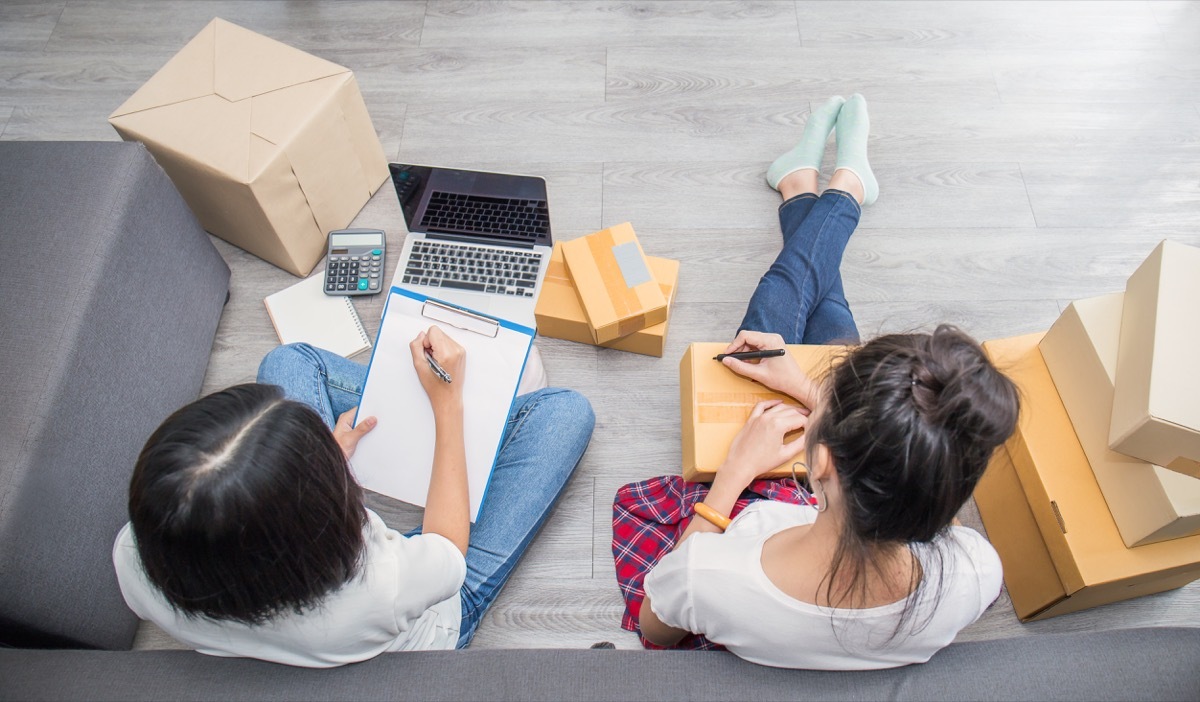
(819, 493)
(801, 490)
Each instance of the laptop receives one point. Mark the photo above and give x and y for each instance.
(478, 240)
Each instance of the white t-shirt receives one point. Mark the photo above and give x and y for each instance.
(714, 584)
(405, 598)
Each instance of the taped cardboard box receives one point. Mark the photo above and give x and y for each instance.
(560, 315)
(1045, 514)
(1156, 416)
(715, 403)
(616, 289)
(271, 147)
(1148, 503)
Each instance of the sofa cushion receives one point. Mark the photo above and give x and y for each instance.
(109, 304)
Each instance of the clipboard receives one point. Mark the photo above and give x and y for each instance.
(396, 457)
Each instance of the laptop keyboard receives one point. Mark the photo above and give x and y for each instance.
(521, 220)
(465, 267)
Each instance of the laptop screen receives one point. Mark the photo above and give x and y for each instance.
(494, 208)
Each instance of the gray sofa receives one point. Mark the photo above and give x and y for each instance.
(1141, 664)
(109, 303)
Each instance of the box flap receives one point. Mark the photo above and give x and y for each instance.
(207, 131)
(188, 75)
(276, 65)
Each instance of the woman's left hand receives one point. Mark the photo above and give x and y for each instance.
(347, 435)
(760, 445)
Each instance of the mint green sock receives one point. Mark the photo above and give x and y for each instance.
(853, 126)
(808, 153)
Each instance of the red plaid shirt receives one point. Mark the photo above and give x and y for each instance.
(648, 518)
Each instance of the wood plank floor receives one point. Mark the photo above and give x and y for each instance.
(1028, 154)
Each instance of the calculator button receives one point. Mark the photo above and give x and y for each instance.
(341, 286)
(374, 284)
(362, 283)
(331, 286)
(377, 252)
(374, 275)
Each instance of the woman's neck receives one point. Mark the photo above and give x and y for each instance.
(799, 562)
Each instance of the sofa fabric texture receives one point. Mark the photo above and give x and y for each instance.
(109, 305)
(1142, 664)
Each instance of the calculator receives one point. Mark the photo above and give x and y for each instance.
(354, 264)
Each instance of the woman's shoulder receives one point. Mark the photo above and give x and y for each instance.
(769, 516)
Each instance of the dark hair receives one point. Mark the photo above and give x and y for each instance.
(243, 507)
(910, 422)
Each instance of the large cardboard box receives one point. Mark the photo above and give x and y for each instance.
(271, 147)
(560, 315)
(1045, 514)
(715, 403)
(618, 292)
(1148, 503)
(1156, 415)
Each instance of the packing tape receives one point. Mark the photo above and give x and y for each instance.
(624, 299)
(728, 407)
(556, 272)
(628, 326)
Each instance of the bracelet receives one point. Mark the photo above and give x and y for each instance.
(719, 521)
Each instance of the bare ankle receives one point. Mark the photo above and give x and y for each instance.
(846, 180)
(798, 183)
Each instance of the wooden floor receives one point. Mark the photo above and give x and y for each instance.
(1028, 154)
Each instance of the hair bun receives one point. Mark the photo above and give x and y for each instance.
(956, 387)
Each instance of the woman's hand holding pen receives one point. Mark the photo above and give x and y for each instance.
(780, 374)
(450, 357)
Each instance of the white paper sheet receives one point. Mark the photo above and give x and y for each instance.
(396, 457)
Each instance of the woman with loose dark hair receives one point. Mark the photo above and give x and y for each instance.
(875, 574)
(248, 535)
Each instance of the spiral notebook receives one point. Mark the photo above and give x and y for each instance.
(304, 313)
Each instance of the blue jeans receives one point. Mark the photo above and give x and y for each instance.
(544, 439)
(800, 297)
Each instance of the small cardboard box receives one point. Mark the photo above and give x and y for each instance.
(715, 403)
(616, 289)
(1156, 416)
(1046, 516)
(271, 147)
(560, 315)
(1148, 503)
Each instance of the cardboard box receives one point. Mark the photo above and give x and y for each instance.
(1148, 503)
(715, 403)
(271, 147)
(1046, 517)
(616, 289)
(1156, 415)
(560, 315)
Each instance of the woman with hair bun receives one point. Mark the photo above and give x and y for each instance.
(877, 573)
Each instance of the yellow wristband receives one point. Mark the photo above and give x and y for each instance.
(710, 514)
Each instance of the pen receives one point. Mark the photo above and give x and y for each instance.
(437, 369)
(750, 355)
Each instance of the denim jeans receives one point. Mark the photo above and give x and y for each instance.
(800, 297)
(543, 441)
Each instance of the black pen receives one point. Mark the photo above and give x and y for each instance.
(437, 369)
(750, 355)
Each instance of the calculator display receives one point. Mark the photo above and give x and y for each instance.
(355, 240)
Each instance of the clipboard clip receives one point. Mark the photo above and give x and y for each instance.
(460, 318)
